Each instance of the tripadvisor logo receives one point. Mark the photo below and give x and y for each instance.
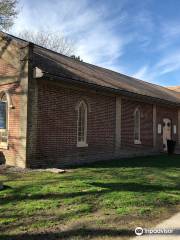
(139, 231)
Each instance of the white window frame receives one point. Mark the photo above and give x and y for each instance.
(137, 141)
(79, 142)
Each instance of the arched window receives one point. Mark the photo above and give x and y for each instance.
(82, 125)
(137, 126)
(3, 119)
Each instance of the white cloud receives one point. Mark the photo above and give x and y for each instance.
(101, 46)
(147, 73)
(169, 35)
(170, 29)
(89, 25)
(141, 73)
(170, 63)
(102, 31)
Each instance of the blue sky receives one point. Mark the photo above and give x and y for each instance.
(140, 38)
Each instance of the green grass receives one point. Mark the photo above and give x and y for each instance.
(98, 201)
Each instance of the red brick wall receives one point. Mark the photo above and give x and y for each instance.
(172, 114)
(6, 69)
(57, 126)
(11, 154)
(127, 138)
(128, 107)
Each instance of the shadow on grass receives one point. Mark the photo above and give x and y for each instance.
(5, 187)
(160, 161)
(105, 188)
(134, 187)
(70, 234)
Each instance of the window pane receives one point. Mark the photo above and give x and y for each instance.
(82, 123)
(137, 125)
(2, 115)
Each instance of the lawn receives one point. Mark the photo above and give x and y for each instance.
(99, 201)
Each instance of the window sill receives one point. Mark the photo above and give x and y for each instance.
(137, 142)
(3, 130)
(4, 146)
(81, 144)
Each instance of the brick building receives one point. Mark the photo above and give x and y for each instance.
(57, 111)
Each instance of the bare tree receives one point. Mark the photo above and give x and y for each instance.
(76, 58)
(8, 12)
(54, 41)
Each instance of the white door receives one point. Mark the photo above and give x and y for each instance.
(166, 132)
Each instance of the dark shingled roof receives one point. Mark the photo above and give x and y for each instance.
(56, 64)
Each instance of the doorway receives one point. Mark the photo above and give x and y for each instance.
(166, 132)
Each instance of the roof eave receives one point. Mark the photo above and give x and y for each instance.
(122, 92)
